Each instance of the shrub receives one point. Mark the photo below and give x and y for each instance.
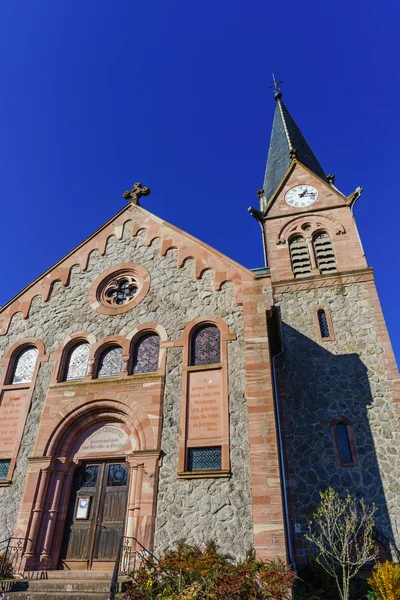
(385, 581)
(191, 573)
(7, 570)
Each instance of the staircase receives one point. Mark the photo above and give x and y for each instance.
(59, 585)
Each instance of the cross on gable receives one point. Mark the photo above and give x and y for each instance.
(135, 193)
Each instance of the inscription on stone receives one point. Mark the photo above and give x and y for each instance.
(12, 418)
(107, 439)
(205, 405)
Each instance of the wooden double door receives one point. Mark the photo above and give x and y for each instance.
(96, 515)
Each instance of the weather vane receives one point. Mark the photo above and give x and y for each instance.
(275, 85)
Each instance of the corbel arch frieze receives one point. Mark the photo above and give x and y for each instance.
(307, 225)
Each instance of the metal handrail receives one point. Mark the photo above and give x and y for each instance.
(12, 555)
(127, 550)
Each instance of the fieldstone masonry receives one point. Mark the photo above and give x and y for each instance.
(342, 378)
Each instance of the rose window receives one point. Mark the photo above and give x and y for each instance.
(120, 291)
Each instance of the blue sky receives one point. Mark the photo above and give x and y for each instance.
(99, 94)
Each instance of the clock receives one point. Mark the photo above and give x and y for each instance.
(301, 195)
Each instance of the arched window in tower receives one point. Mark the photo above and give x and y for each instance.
(145, 356)
(110, 362)
(344, 444)
(324, 254)
(25, 365)
(300, 256)
(323, 324)
(206, 346)
(77, 362)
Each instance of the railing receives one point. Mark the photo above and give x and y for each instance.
(11, 553)
(133, 554)
(130, 555)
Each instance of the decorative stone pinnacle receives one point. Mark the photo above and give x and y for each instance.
(331, 178)
(135, 193)
(260, 193)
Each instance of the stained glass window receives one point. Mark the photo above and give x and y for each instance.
(110, 364)
(121, 290)
(117, 476)
(145, 358)
(202, 459)
(4, 468)
(25, 365)
(78, 362)
(344, 444)
(89, 477)
(323, 324)
(206, 346)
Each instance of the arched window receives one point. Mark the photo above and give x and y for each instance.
(145, 357)
(206, 346)
(110, 362)
(324, 254)
(323, 324)
(77, 364)
(25, 365)
(300, 256)
(344, 444)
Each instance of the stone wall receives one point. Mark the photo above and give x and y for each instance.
(175, 298)
(348, 377)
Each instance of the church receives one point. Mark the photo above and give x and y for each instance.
(153, 389)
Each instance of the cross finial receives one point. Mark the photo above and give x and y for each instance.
(276, 85)
(135, 193)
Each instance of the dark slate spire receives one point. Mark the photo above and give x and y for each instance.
(287, 142)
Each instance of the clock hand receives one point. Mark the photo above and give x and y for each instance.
(303, 193)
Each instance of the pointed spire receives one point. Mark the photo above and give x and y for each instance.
(287, 142)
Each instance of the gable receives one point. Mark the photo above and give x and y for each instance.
(132, 219)
(298, 174)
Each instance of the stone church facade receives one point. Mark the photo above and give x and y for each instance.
(152, 389)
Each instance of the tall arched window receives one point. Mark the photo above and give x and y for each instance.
(344, 443)
(25, 365)
(77, 363)
(300, 256)
(323, 324)
(324, 254)
(145, 356)
(110, 362)
(206, 346)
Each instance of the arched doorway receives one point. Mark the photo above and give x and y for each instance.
(95, 482)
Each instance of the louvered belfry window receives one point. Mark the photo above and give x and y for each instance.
(206, 346)
(323, 323)
(300, 256)
(78, 361)
(324, 254)
(145, 358)
(25, 365)
(110, 363)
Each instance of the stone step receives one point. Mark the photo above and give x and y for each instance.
(64, 574)
(64, 585)
(56, 595)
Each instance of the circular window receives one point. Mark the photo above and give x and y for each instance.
(119, 289)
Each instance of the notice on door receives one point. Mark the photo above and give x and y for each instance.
(205, 405)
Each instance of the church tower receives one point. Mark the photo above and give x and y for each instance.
(336, 379)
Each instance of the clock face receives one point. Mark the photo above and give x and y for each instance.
(301, 195)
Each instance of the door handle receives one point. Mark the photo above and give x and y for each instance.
(101, 525)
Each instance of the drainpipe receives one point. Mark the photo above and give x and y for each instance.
(259, 218)
(282, 462)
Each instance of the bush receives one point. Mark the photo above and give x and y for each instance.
(314, 583)
(385, 581)
(6, 568)
(190, 573)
